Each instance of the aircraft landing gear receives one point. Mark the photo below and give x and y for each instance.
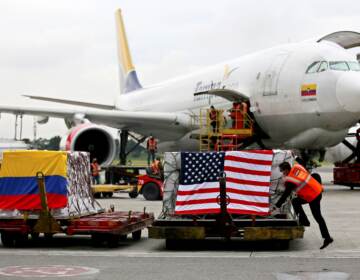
(355, 149)
(307, 160)
(124, 135)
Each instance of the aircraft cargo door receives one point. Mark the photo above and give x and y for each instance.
(271, 77)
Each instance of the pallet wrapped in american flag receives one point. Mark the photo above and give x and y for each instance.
(254, 181)
(193, 201)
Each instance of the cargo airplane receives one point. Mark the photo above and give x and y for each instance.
(302, 96)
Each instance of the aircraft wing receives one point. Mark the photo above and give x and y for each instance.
(140, 121)
(71, 102)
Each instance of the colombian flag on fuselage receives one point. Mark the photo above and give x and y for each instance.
(18, 181)
(308, 90)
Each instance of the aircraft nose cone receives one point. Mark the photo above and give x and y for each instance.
(348, 91)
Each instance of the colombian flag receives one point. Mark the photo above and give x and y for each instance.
(18, 182)
(308, 90)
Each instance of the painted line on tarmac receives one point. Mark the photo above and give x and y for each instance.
(178, 254)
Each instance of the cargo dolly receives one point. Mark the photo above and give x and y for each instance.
(105, 227)
(223, 225)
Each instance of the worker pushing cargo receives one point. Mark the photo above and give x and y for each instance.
(308, 190)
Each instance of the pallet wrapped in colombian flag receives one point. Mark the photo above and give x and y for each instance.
(67, 183)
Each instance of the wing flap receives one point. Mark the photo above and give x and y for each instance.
(71, 102)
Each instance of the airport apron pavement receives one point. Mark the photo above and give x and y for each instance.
(214, 259)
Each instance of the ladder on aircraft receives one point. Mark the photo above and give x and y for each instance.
(222, 133)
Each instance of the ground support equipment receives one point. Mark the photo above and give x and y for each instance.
(347, 174)
(245, 227)
(107, 227)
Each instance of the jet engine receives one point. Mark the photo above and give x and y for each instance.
(92, 138)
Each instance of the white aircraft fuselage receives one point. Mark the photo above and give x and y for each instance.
(302, 96)
(272, 80)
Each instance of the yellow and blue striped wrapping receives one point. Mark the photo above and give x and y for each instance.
(18, 181)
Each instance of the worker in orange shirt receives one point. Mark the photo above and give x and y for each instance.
(213, 117)
(236, 116)
(151, 146)
(95, 171)
(157, 168)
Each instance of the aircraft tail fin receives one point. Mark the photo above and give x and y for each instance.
(128, 76)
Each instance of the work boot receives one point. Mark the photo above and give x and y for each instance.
(326, 243)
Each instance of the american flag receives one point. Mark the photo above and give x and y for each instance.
(247, 182)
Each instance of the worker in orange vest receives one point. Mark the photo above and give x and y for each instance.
(214, 119)
(236, 116)
(151, 146)
(244, 111)
(95, 171)
(308, 190)
(157, 168)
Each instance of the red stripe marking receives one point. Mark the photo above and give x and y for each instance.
(196, 201)
(196, 212)
(248, 160)
(251, 203)
(191, 192)
(247, 171)
(307, 93)
(264, 152)
(247, 212)
(215, 200)
(228, 189)
(247, 182)
(244, 192)
(31, 201)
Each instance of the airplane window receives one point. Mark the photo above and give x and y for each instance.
(323, 66)
(354, 65)
(339, 65)
(313, 67)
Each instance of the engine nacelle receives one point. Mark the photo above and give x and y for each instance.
(92, 138)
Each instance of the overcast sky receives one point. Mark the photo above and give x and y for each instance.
(68, 48)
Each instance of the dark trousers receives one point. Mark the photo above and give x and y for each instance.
(316, 212)
(151, 156)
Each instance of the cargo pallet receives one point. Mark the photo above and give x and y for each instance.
(105, 227)
(175, 229)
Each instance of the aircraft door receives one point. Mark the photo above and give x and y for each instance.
(271, 77)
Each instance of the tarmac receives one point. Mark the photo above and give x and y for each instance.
(212, 259)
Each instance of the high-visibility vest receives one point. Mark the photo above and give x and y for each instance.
(213, 115)
(95, 168)
(307, 187)
(155, 167)
(152, 144)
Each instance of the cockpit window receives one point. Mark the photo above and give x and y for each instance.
(313, 67)
(354, 65)
(323, 66)
(339, 65)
